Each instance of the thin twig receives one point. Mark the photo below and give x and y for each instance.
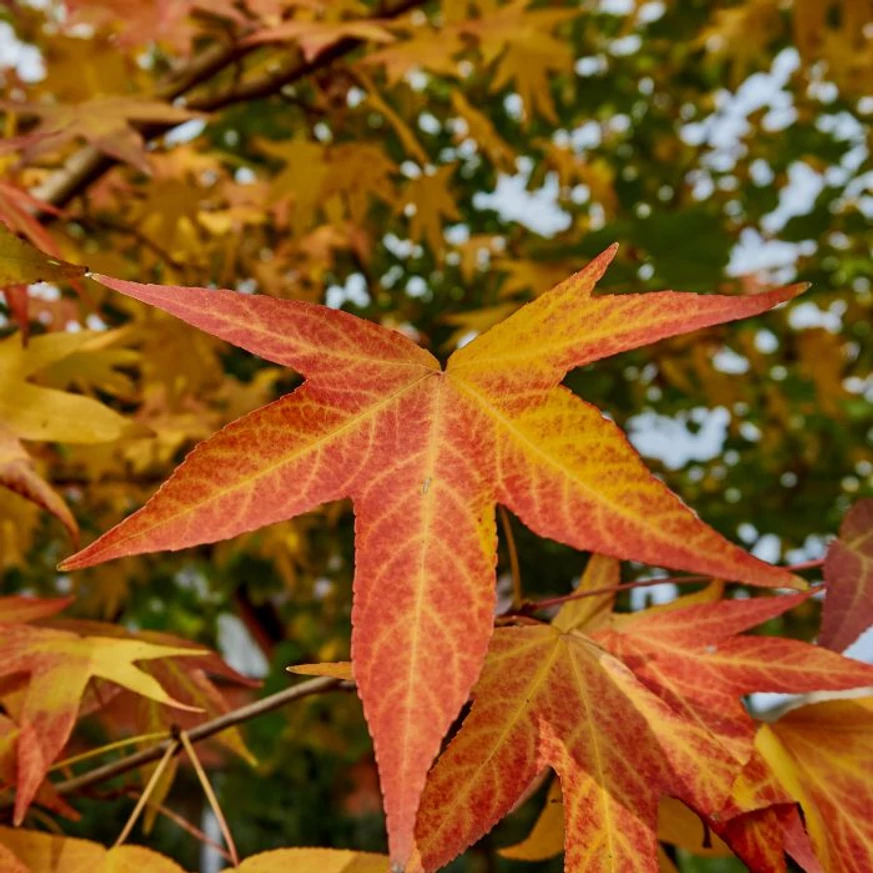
(109, 747)
(171, 750)
(514, 569)
(189, 828)
(206, 785)
(202, 731)
(533, 605)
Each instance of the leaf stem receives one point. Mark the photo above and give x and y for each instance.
(191, 829)
(210, 796)
(170, 751)
(532, 605)
(109, 747)
(514, 569)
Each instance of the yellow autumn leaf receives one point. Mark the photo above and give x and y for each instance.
(22, 264)
(35, 413)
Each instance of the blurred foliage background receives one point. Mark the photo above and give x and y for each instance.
(431, 166)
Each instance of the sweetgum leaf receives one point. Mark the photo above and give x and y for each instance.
(59, 665)
(425, 454)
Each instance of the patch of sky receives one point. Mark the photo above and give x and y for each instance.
(726, 360)
(429, 123)
(616, 7)
(766, 342)
(807, 314)
(401, 248)
(591, 65)
(416, 287)
(536, 210)
(797, 197)
(723, 130)
(354, 291)
(698, 434)
(653, 595)
(25, 59)
(239, 649)
(771, 258)
(186, 132)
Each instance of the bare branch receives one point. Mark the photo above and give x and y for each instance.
(245, 713)
(87, 165)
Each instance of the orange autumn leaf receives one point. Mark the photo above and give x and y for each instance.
(848, 571)
(759, 824)
(18, 474)
(677, 825)
(552, 699)
(822, 754)
(335, 669)
(425, 453)
(525, 703)
(58, 665)
(696, 659)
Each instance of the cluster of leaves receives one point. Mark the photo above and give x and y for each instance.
(359, 154)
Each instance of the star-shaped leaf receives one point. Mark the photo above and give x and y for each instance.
(555, 699)
(425, 453)
(59, 664)
(695, 658)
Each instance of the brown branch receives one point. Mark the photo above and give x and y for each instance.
(319, 685)
(88, 164)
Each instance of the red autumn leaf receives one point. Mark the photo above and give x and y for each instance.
(425, 454)
(20, 609)
(58, 665)
(689, 659)
(693, 658)
(553, 699)
(848, 571)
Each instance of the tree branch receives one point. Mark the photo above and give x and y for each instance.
(88, 164)
(319, 685)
